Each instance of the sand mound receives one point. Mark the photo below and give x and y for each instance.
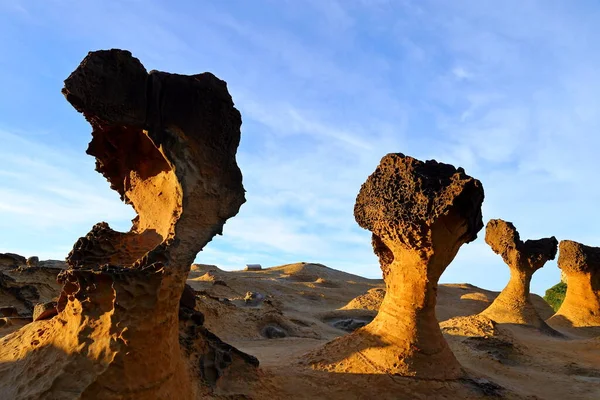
(264, 322)
(204, 268)
(311, 272)
(454, 300)
(368, 301)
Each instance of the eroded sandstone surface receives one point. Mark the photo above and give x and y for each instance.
(167, 144)
(419, 213)
(581, 307)
(514, 305)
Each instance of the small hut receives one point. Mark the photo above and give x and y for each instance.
(253, 267)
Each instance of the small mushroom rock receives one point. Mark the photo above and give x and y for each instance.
(419, 213)
(581, 265)
(33, 261)
(513, 305)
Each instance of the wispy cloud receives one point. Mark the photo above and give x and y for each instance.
(508, 91)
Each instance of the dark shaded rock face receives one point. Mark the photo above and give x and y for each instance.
(513, 305)
(11, 260)
(167, 144)
(420, 213)
(581, 265)
(273, 332)
(349, 324)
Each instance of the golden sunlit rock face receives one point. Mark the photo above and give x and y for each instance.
(513, 305)
(581, 307)
(420, 213)
(167, 144)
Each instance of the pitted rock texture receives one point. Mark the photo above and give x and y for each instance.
(513, 305)
(420, 213)
(581, 265)
(167, 144)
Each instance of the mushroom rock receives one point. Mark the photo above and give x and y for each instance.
(167, 144)
(419, 213)
(581, 265)
(513, 305)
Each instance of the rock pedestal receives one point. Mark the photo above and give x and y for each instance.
(513, 305)
(420, 213)
(581, 265)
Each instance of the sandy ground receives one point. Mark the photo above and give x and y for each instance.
(295, 309)
(503, 361)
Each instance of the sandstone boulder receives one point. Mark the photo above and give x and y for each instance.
(581, 265)
(44, 311)
(167, 144)
(419, 213)
(513, 305)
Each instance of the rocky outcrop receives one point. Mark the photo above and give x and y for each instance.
(11, 260)
(513, 305)
(420, 213)
(167, 144)
(23, 287)
(33, 261)
(581, 265)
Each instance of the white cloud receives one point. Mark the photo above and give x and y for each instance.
(461, 74)
(511, 98)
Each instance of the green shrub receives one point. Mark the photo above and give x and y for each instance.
(555, 295)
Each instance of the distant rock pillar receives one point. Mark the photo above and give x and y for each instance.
(513, 305)
(581, 265)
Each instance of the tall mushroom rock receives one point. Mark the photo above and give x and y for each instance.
(513, 305)
(581, 265)
(419, 213)
(167, 144)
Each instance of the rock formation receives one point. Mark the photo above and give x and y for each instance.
(513, 305)
(419, 213)
(11, 260)
(33, 261)
(167, 144)
(581, 265)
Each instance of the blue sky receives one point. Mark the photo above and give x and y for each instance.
(508, 90)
